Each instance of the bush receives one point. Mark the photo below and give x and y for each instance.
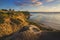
(15, 21)
(27, 14)
(1, 21)
(4, 9)
(1, 18)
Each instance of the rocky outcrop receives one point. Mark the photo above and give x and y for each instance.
(26, 33)
(11, 22)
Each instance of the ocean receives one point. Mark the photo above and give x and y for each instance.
(50, 19)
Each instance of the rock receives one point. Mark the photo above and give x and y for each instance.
(26, 33)
(12, 23)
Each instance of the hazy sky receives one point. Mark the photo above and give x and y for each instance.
(31, 5)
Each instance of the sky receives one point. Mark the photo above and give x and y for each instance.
(31, 5)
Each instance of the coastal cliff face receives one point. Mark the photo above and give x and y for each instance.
(14, 25)
(11, 22)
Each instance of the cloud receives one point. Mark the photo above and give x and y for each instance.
(34, 0)
(38, 3)
(28, 3)
(49, 0)
(19, 3)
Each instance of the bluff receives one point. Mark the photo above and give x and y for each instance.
(14, 25)
(12, 21)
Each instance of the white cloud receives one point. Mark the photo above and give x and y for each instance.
(49, 0)
(38, 3)
(48, 8)
(34, 0)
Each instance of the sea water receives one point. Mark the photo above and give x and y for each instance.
(50, 19)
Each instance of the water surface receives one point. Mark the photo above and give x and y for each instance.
(49, 19)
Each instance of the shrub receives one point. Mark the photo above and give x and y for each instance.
(15, 21)
(1, 21)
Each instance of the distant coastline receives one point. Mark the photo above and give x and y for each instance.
(44, 12)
